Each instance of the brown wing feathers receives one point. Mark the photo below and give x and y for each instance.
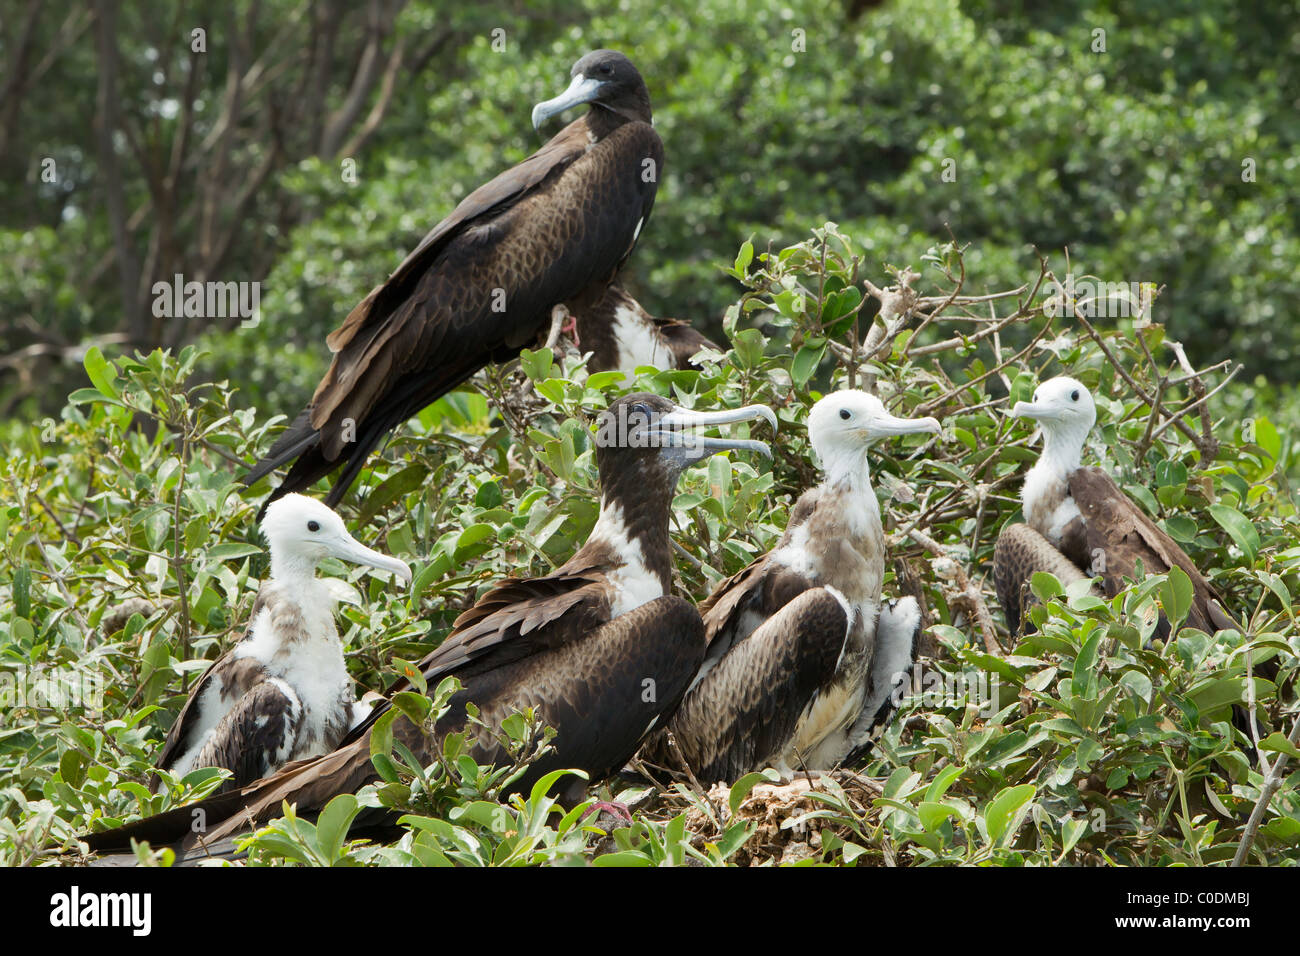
(744, 710)
(1112, 537)
(1021, 551)
(1121, 532)
(476, 290)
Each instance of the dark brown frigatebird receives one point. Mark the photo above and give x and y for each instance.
(282, 693)
(802, 661)
(482, 283)
(600, 646)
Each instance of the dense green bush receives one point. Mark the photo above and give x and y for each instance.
(131, 560)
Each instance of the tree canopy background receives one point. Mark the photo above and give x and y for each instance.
(1158, 143)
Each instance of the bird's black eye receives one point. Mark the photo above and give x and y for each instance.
(1074, 396)
(313, 525)
(605, 69)
(845, 414)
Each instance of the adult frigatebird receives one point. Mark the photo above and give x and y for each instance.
(482, 283)
(1079, 524)
(802, 660)
(600, 647)
(282, 692)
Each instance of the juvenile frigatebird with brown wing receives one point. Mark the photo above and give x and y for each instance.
(482, 283)
(282, 692)
(802, 660)
(600, 647)
(1079, 524)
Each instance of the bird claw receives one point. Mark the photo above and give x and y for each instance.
(570, 328)
(619, 811)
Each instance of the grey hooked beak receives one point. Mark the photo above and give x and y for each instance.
(348, 548)
(884, 425)
(581, 90)
(1032, 410)
(680, 424)
(726, 416)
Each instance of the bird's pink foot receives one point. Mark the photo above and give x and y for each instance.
(619, 811)
(570, 328)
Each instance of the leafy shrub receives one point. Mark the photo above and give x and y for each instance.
(131, 555)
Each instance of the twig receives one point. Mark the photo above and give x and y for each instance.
(1200, 403)
(967, 593)
(68, 536)
(1272, 781)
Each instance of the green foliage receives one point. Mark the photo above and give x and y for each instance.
(131, 561)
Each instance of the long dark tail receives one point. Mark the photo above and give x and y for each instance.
(301, 442)
(309, 784)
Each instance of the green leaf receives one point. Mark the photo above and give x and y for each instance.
(1267, 438)
(1239, 528)
(102, 375)
(748, 345)
(623, 858)
(1007, 809)
(742, 787)
(22, 588)
(932, 814)
(1045, 586)
(542, 786)
(1176, 595)
(381, 733)
(805, 364)
(1072, 829)
(230, 551)
(472, 536)
(743, 258)
(415, 707)
(332, 825)
(1216, 692)
(1278, 743)
(536, 365)
(396, 486)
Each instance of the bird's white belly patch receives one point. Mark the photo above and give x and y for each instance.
(306, 666)
(1065, 512)
(286, 750)
(211, 710)
(638, 342)
(795, 555)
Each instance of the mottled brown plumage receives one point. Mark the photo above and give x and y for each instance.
(598, 646)
(263, 727)
(481, 285)
(1082, 524)
(723, 734)
(1117, 535)
(1019, 553)
(282, 692)
(801, 661)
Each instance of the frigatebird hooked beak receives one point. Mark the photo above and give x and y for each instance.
(282, 693)
(1079, 524)
(599, 646)
(802, 661)
(556, 228)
